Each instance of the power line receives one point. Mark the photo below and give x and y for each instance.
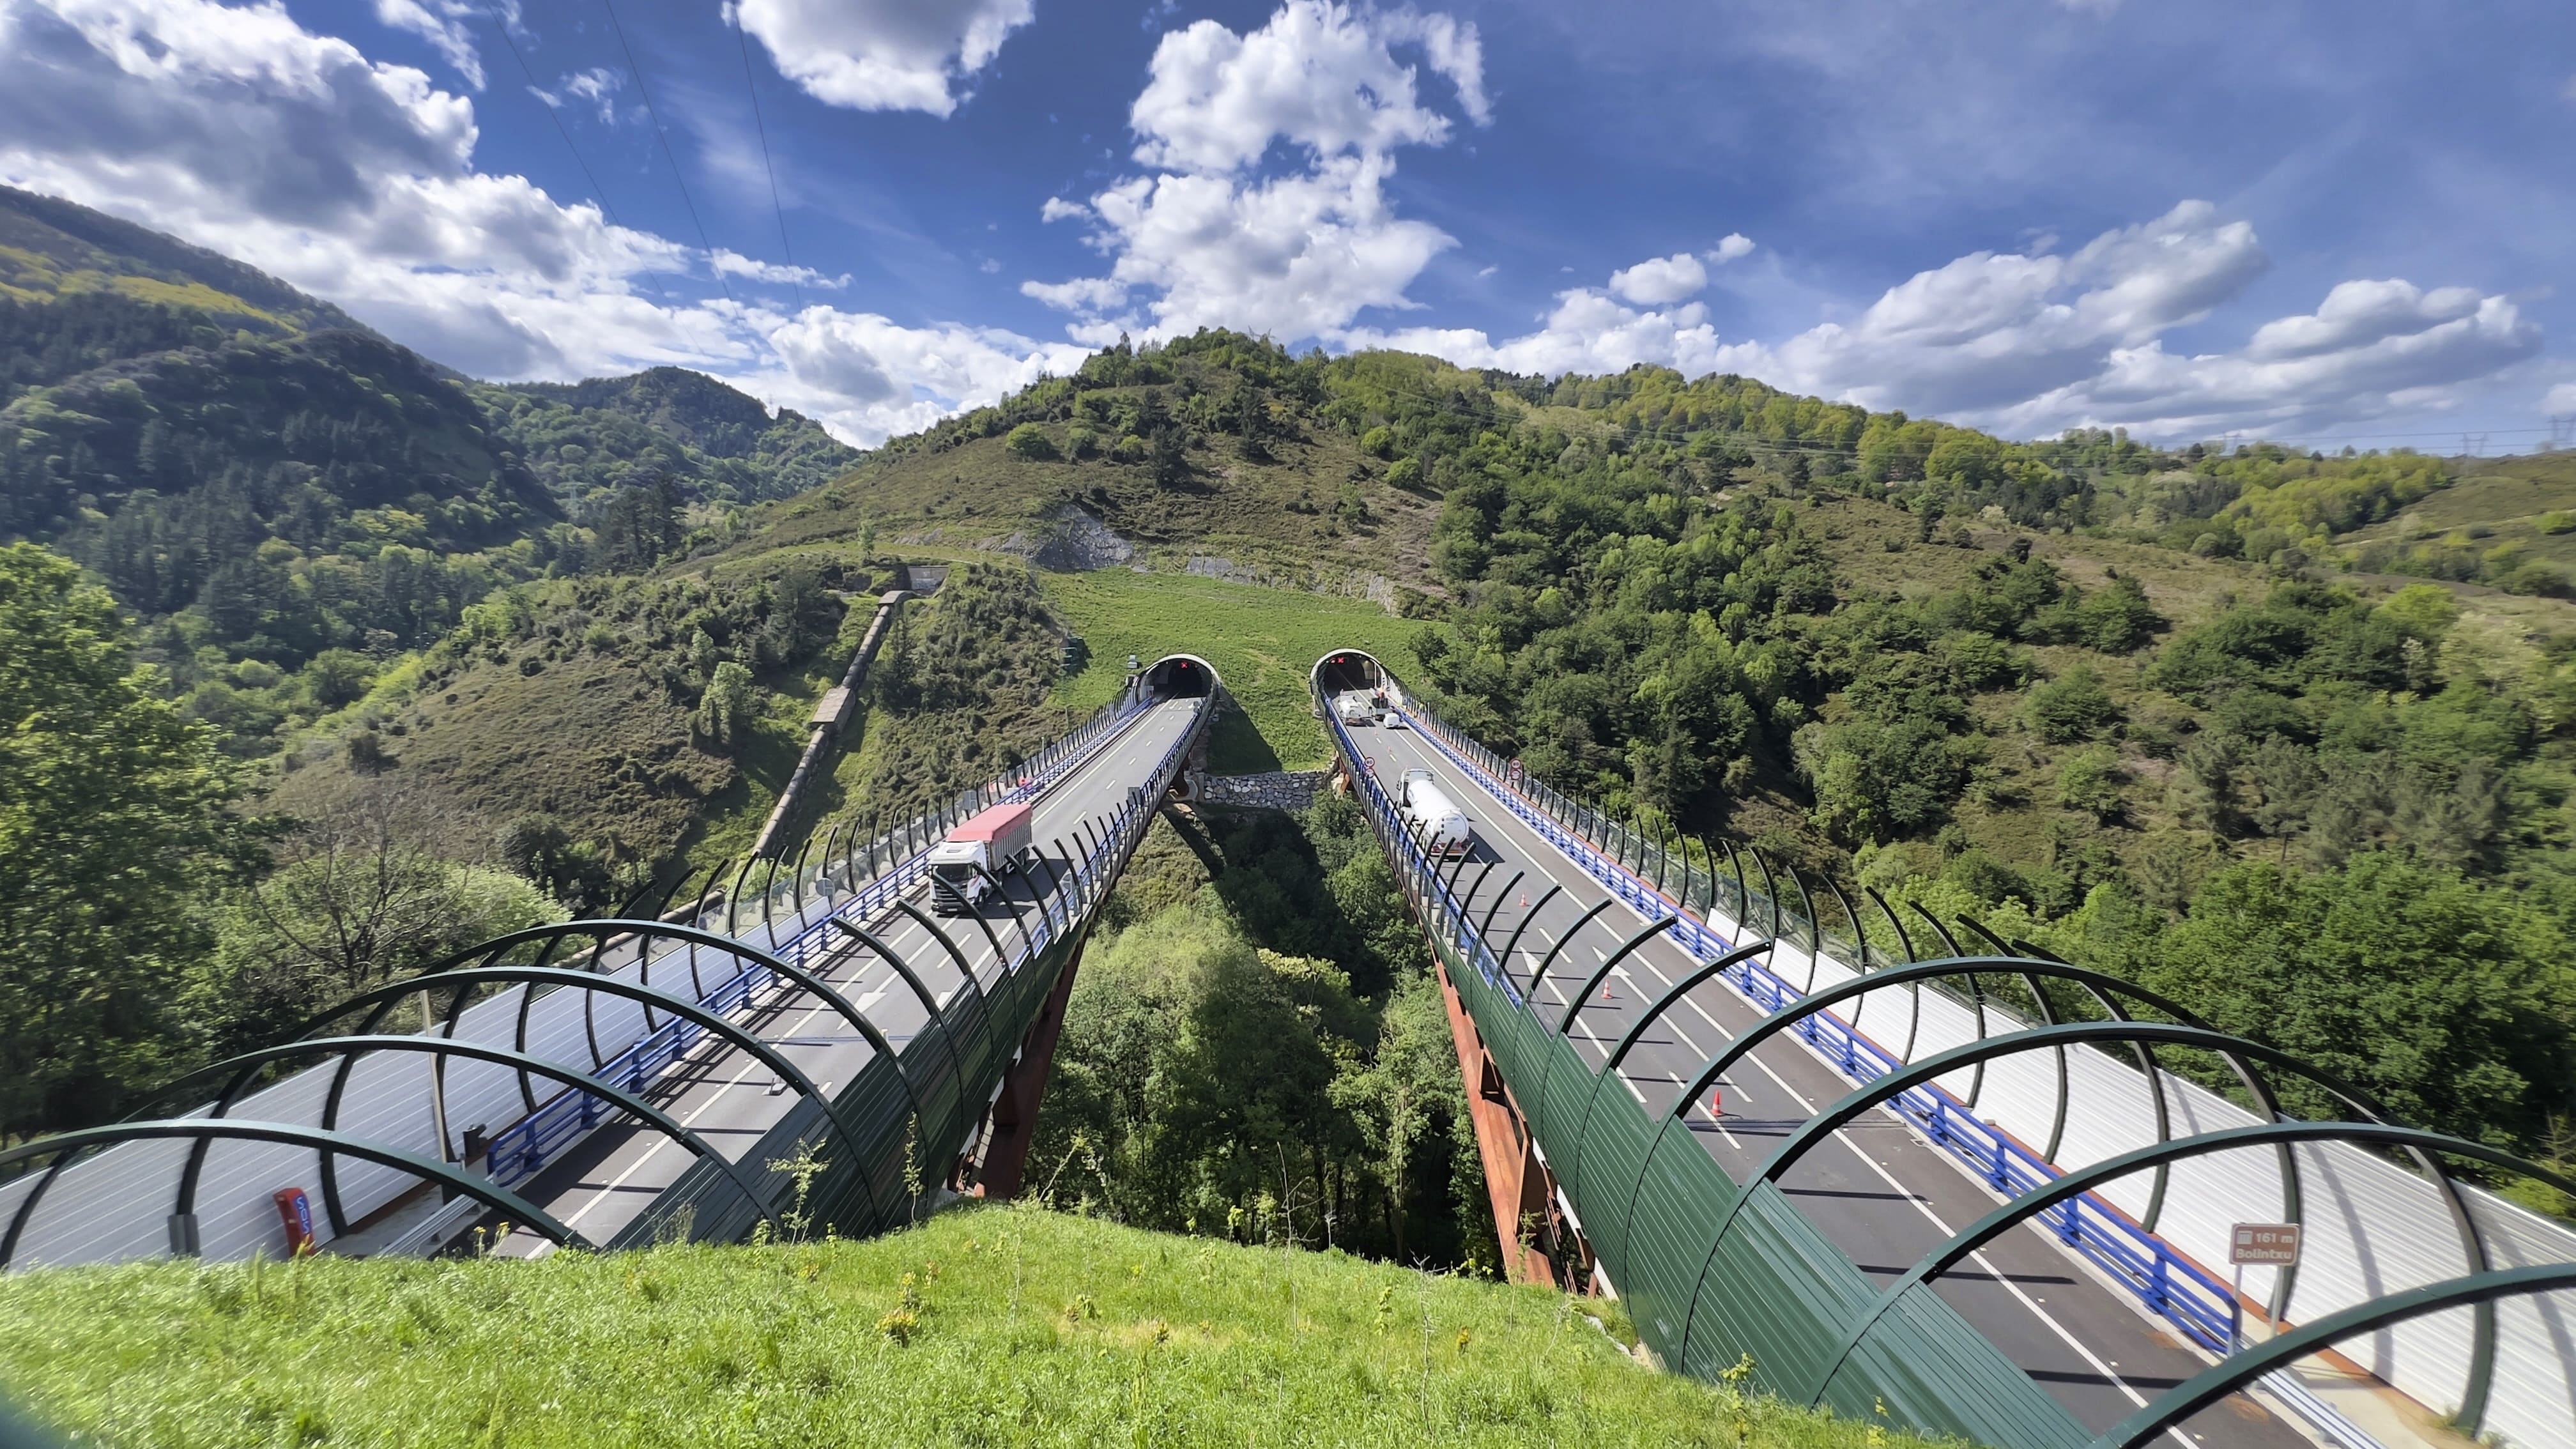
(598, 193)
(655, 116)
(742, 36)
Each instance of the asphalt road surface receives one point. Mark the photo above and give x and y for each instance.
(720, 1092)
(1879, 1192)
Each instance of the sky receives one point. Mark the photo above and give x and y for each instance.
(2338, 223)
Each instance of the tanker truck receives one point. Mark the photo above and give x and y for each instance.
(1445, 829)
(965, 866)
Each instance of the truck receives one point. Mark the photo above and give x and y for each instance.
(964, 868)
(1357, 709)
(1445, 829)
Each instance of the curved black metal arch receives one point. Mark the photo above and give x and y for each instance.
(1610, 963)
(467, 978)
(921, 992)
(2233, 1373)
(1673, 995)
(1826, 1123)
(1605, 903)
(1487, 928)
(444, 1047)
(66, 1144)
(2083, 1180)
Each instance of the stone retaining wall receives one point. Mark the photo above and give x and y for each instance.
(1278, 790)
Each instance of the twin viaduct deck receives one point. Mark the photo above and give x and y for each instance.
(1982, 1194)
(1976, 1192)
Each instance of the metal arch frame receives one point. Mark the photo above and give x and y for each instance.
(1503, 962)
(1636, 1032)
(1487, 928)
(1770, 888)
(929, 1003)
(1574, 1008)
(1914, 991)
(1860, 933)
(2083, 1180)
(2106, 990)
(1815, 926)
(2047, 1017)
(1743, 893)
(1673, 996)
(465, 979)
(64, 1146)
(1832, 1119)
(733, 893)
(1562, 942)
(1976, 996)
(1467, 902)
(442, 1047)
(2478, 1290)
(946, 943)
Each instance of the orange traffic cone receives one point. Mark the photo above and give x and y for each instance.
(1716, 1102)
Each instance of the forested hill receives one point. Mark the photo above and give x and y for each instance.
(287, 500)
(52, 249)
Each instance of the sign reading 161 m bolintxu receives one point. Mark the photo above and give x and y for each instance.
(2273, 1244)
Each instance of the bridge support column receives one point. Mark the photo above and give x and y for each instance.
(1539, 1246)
(1015, 1111)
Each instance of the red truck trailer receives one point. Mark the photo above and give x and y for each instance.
(993, 843)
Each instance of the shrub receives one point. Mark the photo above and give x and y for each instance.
(1030, 441)
(2089, 780)
(2074, 706)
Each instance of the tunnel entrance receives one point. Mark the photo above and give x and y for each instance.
(1345, 671)
(1180, 677)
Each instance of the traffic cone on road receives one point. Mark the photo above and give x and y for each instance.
(1716, 1102)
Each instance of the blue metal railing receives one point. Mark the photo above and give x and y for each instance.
(2170, 1285)
(521, 1150)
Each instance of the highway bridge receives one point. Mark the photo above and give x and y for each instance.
(812, 1048)
(1973, 1192)
(1973, 1189)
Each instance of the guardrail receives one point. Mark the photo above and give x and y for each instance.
(2168, 1283)
(524, 1148)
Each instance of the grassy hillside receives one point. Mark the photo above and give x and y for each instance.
(52, 248)
(994, 1326)
(1216, 448)
(1262, 642)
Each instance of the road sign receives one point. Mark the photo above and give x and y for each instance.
(2271, 1244)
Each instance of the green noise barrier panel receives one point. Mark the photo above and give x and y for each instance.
(1653, 1203)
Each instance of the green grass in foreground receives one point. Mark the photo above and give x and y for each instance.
(1261, 640)
(987, 1326)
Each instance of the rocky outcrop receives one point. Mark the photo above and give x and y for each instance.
(1067, 539)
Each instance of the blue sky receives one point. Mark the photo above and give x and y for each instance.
(2327, 222)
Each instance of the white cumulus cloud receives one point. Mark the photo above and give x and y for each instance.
(237, 129)
(2033, 343)
(1732, 246)
(1297, 252)
(442, 24)
(1659, 280)
(884, 55)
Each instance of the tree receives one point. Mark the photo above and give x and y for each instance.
(2451, 1002)
(2074, 706)
(2089, 780)
(1029, 441)
(354, 901)
(640, 526)
(112, 814)
(731, 702)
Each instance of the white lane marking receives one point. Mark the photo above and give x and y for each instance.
(689, 1121)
